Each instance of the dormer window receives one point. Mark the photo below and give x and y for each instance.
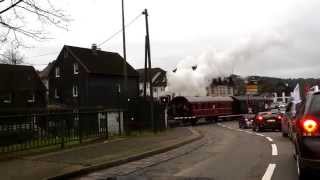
(56, 94)
(75, 91)
(31, 98)
(75, 68)
(57, 70)
(6, 98)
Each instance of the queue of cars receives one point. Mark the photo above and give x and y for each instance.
(301, 123)
(270, 120)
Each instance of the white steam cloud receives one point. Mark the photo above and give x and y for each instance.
(213, 64)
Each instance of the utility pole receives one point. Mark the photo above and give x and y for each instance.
(145, 71)
(125, 83)
(148, 61)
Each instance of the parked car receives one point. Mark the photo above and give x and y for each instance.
(288, 119)
(267, 120)
(306, 136)
(246, 121)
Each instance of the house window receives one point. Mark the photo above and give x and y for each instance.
(75, 68)
(31, 98)
(57, 72)
(6, 98)
(76, 117)
(56, 94)
(75, 91)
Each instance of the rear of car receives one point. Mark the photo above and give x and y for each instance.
(267, 120)
(307, 136)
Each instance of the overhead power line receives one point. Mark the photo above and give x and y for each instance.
(118, 32)
(105, 41)
(41, 55)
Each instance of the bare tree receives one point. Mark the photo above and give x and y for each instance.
(11, 56)
(28, 18)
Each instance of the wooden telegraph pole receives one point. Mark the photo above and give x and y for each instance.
(125, 82)
(148, 72)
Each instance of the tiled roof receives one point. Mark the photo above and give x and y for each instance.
(101, 62)
(158, 76)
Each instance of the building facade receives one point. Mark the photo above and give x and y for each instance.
(159, 82)
(91, 78)
(221, 87)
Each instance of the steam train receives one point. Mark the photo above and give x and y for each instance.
(185, 110)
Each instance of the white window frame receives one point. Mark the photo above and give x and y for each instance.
(57, 72)
(75, 68)
(56, 95)
(75, 91)
(32, 99)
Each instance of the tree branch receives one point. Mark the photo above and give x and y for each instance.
(11, 6)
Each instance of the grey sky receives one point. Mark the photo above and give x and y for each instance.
(183, 28)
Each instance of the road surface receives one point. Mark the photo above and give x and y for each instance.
(225, 153)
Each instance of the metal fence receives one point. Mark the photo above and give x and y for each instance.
(23, 132)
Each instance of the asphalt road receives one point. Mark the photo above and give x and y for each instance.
(225, 153)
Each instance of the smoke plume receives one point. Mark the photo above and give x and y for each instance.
(188, 81)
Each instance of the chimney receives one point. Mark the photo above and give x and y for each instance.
(94, 46)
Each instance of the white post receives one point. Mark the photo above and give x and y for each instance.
(166, 117)
(275, 97)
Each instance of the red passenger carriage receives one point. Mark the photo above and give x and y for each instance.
(190, 109)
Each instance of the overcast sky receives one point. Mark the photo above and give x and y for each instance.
(182, 28)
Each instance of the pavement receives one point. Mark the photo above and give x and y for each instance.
(224, 153)
(80, 160)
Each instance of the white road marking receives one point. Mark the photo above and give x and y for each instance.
(258, 134)
(249, 132)
(269, 139)
(269, 172)
(274, 150)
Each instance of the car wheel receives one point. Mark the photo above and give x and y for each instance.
(302, 172)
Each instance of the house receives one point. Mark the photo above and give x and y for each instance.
(221, 87)
(159, 82)
(21, 90)
(91, 78)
